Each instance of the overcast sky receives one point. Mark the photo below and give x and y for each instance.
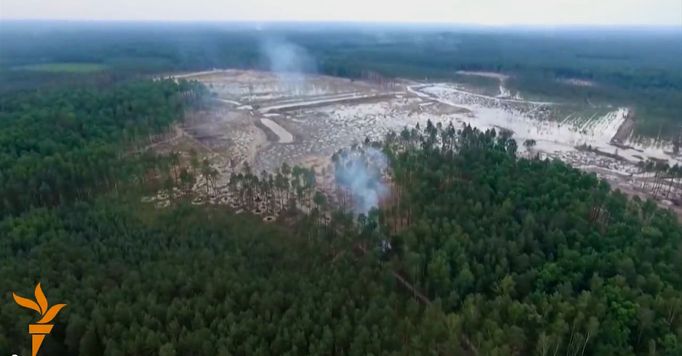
(488, 12)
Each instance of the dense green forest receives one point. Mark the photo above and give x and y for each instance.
(534, 257)
(202, 282)
(62, 145)
(637, 67)
(187, 280)
(477, 252)
(474, 252)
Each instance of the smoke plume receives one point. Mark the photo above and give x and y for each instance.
(287, 59)
(359, 171)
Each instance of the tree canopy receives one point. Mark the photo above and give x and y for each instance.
(474, 251)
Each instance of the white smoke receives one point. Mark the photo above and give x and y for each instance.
(360, 171)
(287, 59)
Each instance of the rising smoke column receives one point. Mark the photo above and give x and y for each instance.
(359, 171)
(287, 59)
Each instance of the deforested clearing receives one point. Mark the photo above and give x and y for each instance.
(314, 116)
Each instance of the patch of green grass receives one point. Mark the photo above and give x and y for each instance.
(64, 67)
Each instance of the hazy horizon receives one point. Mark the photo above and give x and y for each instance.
(637, 13)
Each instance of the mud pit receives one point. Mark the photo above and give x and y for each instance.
(265, 119)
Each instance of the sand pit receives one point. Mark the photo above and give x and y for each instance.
(314, 116)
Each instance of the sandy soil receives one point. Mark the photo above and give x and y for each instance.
(311, 117)
(282, 133)
(578, 82)
(493, 75)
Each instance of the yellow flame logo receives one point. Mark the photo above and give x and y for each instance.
(42, 327)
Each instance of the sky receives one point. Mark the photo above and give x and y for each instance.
(484, 12)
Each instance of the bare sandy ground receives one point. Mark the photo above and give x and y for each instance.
(265, 119)
(492, 75)
(282, 133)
(578, 82)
